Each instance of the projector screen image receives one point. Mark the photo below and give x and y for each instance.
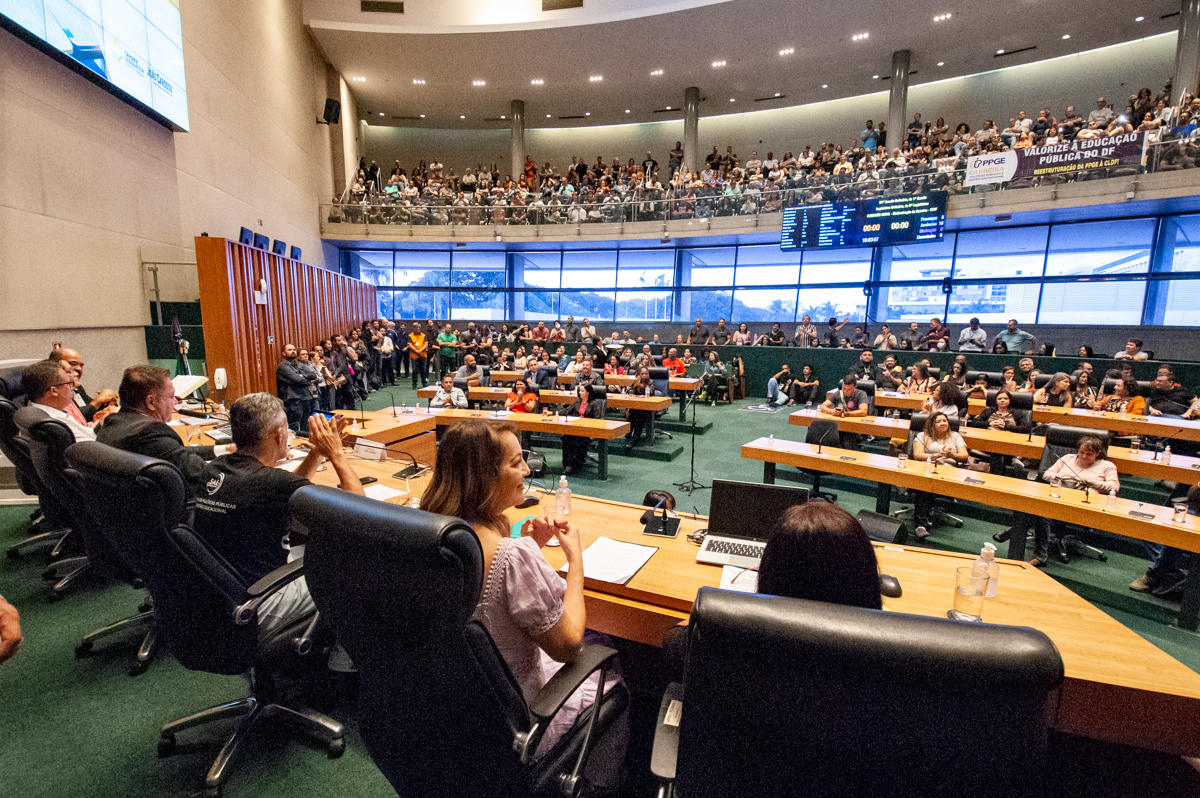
(133, 48)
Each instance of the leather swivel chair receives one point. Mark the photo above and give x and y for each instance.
(784, 696)
(823, 432)
(48, 442)
(916, 425)
(660, 378)
(438, 708)
(205, 612)
(53, 525)
(1062, 440)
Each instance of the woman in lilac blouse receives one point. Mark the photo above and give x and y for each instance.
(535, 616)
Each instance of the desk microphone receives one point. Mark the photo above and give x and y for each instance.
(1158, 445)
(649, 514)
(192, 413)
(393, 400)
(408, 471)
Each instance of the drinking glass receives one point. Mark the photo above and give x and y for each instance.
(1055, 488)
(969, 590)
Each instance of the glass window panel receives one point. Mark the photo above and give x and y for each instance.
(422, 270)
(921, 261)
(1101, 302)
(477, 305)
(1103, 249)
(913, 302)
(478, 269)
(645, 268)
(421, 305)
(705, 304)
(707, 266)
(769, 304)
(536, 269)
(1019, 252)
(537, 305)
(1183, 303)
(767, 266)
(370, 267)
(593, 305)
(836, 266)
(993, 302)
(644, 305)
(385, 299)
(1185, 256)
(591, 269)
(823, 303)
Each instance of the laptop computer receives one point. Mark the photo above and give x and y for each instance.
(740, 520)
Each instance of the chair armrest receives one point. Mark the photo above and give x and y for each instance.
(554, 694)
(666, 735)
(267, 586)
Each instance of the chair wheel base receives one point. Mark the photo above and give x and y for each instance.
(53, 596)
(212, 792)
(166, 746)
(336, 748)
(138, 668)
(14, 553)
(83, 649)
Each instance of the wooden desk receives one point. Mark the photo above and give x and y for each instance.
(602, 430)
(677, 384)
(548, 397)
(1158, 426)
(916, 401)
(1018, 444)
(1118, 687)
(404, 434)
(996, 490)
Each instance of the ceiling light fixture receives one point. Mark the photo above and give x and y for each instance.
(360, 80)
(1139, 19)
(732, 100)
(547, 116)
(502, 116)
(777, 93)
(787, 51)
(941, 18)
(479, 83)
(596, 78)
(656, 72)
(422, 116)
(537, 82)
(626, 110)
(668, 108)
(941, 63)
(858, 37)
(419, 81)
(874, 77)
(587, 113)
(999, 52)
(824, 85)
(1066, 35)
(381, 113)
(718, 64)
(462, 117)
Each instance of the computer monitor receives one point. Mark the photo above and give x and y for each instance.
(261, 241)
(279, 247)
(749, 510)
(295, 253)
(246, 237)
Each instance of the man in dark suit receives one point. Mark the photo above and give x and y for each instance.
(147, 401)
(87, 405)
(291, 386)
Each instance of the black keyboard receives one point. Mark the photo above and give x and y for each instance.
(733, 547)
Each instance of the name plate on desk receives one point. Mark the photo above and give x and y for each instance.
(847, 457)
(370, 450)
(1137, 514)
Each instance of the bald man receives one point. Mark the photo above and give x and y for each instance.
(86, 404)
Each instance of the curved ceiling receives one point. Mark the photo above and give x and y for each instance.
(743, 54)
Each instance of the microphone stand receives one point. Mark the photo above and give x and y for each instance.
(1161, 441)
(691, 485)
(393, 400)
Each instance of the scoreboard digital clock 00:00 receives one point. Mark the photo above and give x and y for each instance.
(865, 223)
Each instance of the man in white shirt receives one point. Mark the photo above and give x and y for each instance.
(973, 338)
(448, 396)
(1133, 351)
(587, 331)
(51, 389)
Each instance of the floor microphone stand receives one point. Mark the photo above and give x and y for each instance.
(691, 485)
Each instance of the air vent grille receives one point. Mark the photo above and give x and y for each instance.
(381, 6)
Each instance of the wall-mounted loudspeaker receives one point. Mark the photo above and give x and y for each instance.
(279, 247)
(295, 253)
(333, 111)
(246, 237)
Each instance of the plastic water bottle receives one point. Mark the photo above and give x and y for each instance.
(1110, 503)
(987, 561)
(928, 467)
(771, 442)
(403, 408)
(808, 408)
(563, 497)
(1166, 457)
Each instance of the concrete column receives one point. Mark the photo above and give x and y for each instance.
(898, 99)
(1187, 51)
(691, 132)
(517, 126)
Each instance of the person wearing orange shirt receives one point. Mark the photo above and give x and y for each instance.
(418, 355)
(520, 400)
(672, 362)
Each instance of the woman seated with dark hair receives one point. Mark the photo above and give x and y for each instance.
(999, 348)
(574, 447)
(1086, 352)
(939, 443)
(1003, 416)
(817, 551)
(1056, 393)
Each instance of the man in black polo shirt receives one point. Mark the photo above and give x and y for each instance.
(866, 369)
(242, 509)
(721, 335)
(698, 335)
(848, 400)
(775, 336)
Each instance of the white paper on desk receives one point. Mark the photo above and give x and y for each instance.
(381, 492)
(174, 423)
(290, 465)
(742, 580)
(192, 421)
(612, 561)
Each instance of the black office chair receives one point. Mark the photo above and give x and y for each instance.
(936, 373)
(204, 610)
(784, 696)
(547, 377)
(597, 394)
(48, 442)
(868, 387)
(939, 515)
(439, 711)
(660, 378)
(53, 525)
(823, 432)
(1062, 440)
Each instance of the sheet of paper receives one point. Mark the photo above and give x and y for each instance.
(186, 384)
(382, 492)
(192, 421)
(174, 423)
(742, 580)
(613, 561)
(290, 465)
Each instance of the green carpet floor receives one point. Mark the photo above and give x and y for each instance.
(74, 727)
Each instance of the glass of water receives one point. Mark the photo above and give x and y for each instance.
(902, 460)
(1135, 443)
(1055, 488)
(969, 590)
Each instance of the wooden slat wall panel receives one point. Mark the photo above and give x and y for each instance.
(304, 304)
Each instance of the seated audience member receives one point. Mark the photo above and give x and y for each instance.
(1008, 379)
(50, 386)
(1168, 567)
(449, 396)
(1124, 398)
(535, 615)
(957, 375)
(1003, 417)
(911, 338)
(576, 363)
(470, 371)
(721, 336)
(806, 388)
(1133, 351)
(817, 551)
(945, 447)
(936, 337)
(588, 375)
(847, 400)
(672, 361)
(715, 375)
(653, 497)
(999, 348)
(10, 631)
(947, 398)
(1084, 392)
(520, 399)
(972, 338)
(243, 510)
(1047, 350)
(574, 447)
(1087, 466)
(1029, 384)
(885, 340)
(87, 405)
(140, 426)
(1056, 393)
(1086, 351)
(979, 390)
(865, 368)
(779, 386)
(640, 420)
(1167, 397)
(743, 336)
(919, 380)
